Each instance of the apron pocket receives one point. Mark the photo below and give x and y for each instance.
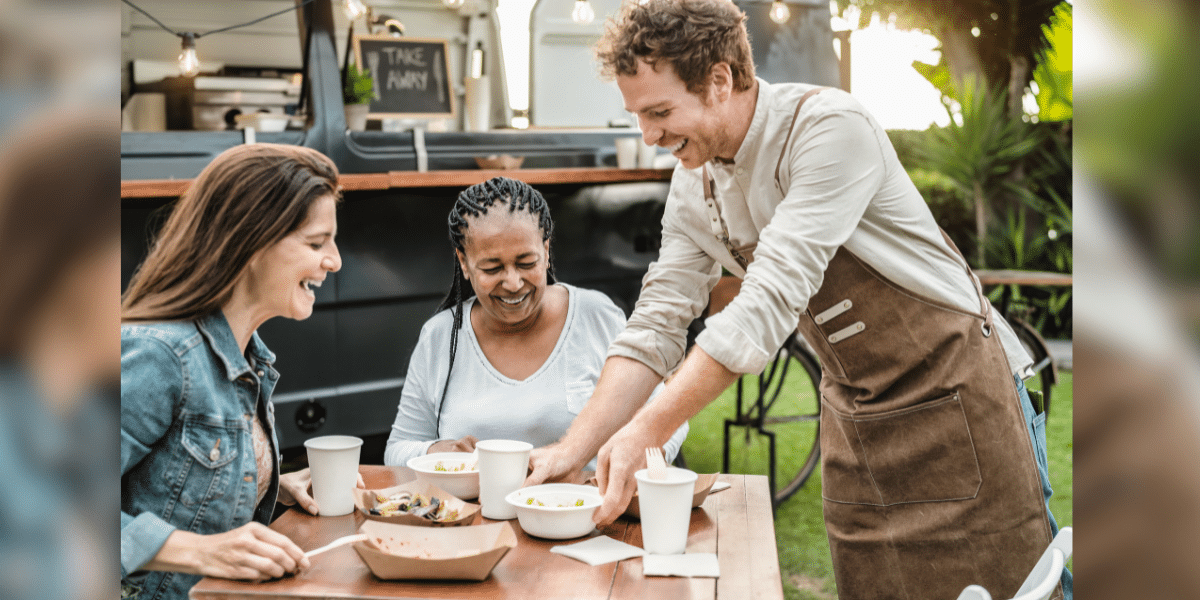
(922, 453)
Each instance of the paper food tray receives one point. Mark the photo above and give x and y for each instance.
(364, 500)
(406, 552)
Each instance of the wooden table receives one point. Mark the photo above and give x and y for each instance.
(736, 524)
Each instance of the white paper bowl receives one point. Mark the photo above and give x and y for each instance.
(463, 484)
(552, 521)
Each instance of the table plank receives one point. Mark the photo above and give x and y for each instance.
(764, 578)
(702, 538)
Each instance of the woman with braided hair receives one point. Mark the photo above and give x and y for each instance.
(511, 353)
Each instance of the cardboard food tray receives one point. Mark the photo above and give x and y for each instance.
(364, 501)
(406, 552)
(703, 486)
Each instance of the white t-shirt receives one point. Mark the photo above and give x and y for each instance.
(484, 403)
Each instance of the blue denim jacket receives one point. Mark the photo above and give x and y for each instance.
(188, 397)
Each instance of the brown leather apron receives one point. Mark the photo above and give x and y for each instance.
(928, 474)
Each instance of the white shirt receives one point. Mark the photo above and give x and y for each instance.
(842, 185)
(488, 405)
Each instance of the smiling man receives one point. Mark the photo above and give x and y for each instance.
(933, 470)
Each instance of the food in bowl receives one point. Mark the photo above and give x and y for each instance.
(556, 511)
(458, 468)
(454, 472)
(417, 505)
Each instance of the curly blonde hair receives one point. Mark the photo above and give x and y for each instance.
(691, 35)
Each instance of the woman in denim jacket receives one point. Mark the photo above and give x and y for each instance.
(248, 241)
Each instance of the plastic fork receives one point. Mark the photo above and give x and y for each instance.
(342, 541)
(656, 465)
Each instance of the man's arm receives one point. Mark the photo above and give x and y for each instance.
(674, 292)
(697, 383)
(622, 389)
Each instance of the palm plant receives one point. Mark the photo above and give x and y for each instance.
(977, 151)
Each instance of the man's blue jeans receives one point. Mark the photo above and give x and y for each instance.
(1037, 433)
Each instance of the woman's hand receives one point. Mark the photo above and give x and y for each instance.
(251, 551)
(466, 444)
(296, 488)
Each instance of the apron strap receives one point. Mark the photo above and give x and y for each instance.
(985, 306)
(796, 115)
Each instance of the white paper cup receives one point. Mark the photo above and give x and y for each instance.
(333, 462)
(503, 465)
(646, 154)
(627, 151)
(666, 507)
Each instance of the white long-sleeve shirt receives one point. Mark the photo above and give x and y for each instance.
(488, 405)
(841, 185)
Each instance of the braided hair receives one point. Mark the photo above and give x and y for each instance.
(474, 202)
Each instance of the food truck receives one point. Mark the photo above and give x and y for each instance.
(439, 120)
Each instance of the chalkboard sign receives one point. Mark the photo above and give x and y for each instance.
(411, 76)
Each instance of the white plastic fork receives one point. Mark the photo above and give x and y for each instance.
(656, 465)
(342, 541)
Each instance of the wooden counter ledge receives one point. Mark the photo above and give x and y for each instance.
(168, 188)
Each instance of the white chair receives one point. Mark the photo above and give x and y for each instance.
(1045, 575)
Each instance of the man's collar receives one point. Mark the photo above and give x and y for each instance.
(757, 123)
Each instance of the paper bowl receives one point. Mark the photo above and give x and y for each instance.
(365, 500)
(462, 484)
(501, 161)
(558, 517)
(404, 552)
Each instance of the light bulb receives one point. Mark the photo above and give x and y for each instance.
(454, 4)
(583, 13)
(779, 12)
(189, 65)
(354, 9)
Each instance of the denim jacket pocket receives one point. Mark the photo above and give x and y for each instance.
(578, 394)
(212, 444)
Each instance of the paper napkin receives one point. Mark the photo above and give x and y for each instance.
(681, 565)
(599, 550)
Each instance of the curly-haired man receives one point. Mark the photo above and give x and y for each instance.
(931, 447)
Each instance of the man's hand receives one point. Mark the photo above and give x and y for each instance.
(296, 488)
(551, 463)
(466, 444)
(619, 458)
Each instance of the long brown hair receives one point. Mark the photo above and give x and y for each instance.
(248, 198)
(59, 193)
(690, 35)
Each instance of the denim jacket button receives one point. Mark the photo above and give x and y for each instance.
(261, 373)
(214, 455)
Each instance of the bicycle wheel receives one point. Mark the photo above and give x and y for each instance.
(789, 413)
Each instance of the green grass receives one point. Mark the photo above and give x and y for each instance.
(804, 559)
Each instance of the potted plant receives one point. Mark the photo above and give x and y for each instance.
(356, 96)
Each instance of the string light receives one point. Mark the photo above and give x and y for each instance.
(779, 12)
(354, 9)
(583, 12)
(453, 4)
(189, 65)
